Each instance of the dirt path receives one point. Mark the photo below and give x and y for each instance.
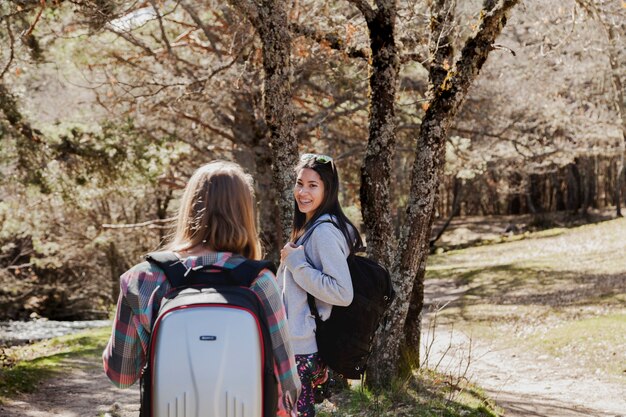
(526, 385)
(523, 385)
(83, 392)
(521, 382)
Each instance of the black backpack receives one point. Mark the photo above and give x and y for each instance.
(200, 289)
(344, 340)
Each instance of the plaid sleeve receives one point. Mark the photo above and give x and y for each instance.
(123, 357)
(125, 353)
(266, 288)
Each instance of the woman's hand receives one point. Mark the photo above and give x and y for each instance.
(287, 249)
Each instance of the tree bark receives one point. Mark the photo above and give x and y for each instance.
(279, 117)
(442, 52)
(269, 18)
(376, 170)
(249, 127)
(426, 175)
(377, 166)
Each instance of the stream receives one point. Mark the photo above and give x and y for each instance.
(23, 332)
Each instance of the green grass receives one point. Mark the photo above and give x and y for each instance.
(589, 341)
(561, 293)
(424, 394)
(39, 361)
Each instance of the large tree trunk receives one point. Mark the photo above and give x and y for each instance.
(377, 166)
(269, 18)
(250, 129)
(426, 175)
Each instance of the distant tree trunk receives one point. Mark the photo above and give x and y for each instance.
(515, 204)
(269, 18)
(593, 182)
(162, 204)
(457, 195)
(116, 269)
(534, 194)
(585, 187)
(558, 190)
(618, 186)
(427, 171)
(573, 187)
(613, 49)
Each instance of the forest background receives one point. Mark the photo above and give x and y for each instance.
(108, 106)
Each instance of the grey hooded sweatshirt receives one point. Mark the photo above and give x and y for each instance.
(327, 278)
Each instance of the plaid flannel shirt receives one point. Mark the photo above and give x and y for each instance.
(145, 284)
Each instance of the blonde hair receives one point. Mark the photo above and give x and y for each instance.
(217, 212)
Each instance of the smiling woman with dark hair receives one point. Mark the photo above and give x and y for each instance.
(314, 262)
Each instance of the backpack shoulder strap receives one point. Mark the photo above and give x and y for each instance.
(171, 265)
(313, 307)
(248, 270)
(309, 232)
(310, 299)
(176, 272)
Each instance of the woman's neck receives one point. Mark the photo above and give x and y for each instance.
(197, 250)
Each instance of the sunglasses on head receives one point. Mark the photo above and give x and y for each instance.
(322, 159)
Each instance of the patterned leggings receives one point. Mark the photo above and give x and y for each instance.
(312, 372)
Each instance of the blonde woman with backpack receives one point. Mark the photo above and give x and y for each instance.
(315, 262)
(215, 228)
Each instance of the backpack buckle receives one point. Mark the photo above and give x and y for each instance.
(195, 268)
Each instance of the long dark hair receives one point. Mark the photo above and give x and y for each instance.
(330, 205)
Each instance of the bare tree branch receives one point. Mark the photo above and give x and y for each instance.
(332, 40)
(441, 51)
(163, 34)
(368, 13)
(150, 224)
(32, 26)
(194, 16)
(11, 48)
(207, 126)
(129, 38)
(249, 10)
(415, 57)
